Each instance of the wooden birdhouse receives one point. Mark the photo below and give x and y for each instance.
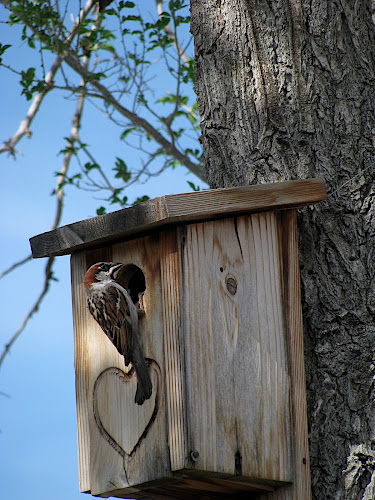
(221, 333)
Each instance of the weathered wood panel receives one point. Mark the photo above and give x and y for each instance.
(222, 331)
(195, 485)
(178, 208)
(301, 487)
(81, 363)
(118, 437)
(294, 339)
(173, 350)
(235, 351)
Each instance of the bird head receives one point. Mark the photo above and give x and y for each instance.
(101, 272)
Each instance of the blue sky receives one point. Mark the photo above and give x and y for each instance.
(38, 457)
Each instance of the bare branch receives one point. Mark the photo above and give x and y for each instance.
(76, 121)
(24, 128)
(100, 170)
(34, 309)
(76, 124)
(14, 266)
(138, 121)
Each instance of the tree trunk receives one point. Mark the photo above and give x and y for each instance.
(286, 90)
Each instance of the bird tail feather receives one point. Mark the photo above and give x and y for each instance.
(144, 385)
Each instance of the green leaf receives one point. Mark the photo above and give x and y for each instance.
(90, 166)
(121, 170)
(3, 48)
(101, 211)
(133, 18)
(27, 78)
(127, 132)
(13, 19)
(125, 5)
(164, 20)
(193, 186)
(192, 119)
(141, 199)
(95, 77)
(174, 164)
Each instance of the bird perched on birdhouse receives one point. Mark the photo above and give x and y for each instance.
(112, 307)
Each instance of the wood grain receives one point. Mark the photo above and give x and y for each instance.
(235, 350)
(223, 334)
(173, 350)
(81, 363)
(301, 487)
(294, 338)
(176, 209)
(193, 484)
(116, 437)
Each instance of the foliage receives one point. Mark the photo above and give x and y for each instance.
(112, 58)
(118, 57)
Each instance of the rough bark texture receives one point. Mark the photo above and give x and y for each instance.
(286, 90)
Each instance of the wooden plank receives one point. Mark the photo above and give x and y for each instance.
(116, 436)
(78, 269)
(192, 484)
(140, 432)
(173, 350)
(294, 336)
(236, 360)
(176, 209)
(265, 346)
(79, 264)
(301, 487)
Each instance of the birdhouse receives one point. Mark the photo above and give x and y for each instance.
(221, 335)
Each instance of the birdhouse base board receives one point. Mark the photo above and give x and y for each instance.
(189, 484)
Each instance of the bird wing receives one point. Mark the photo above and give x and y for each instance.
(111, 311)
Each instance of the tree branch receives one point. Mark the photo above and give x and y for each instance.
(74, 63)
(34, 309)
(76, 121)
(24, 128)
(168, 30)
(168, 147)
(14, 266)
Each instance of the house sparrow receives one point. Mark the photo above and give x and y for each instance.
(112, 307)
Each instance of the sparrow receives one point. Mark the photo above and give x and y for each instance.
(112, 307)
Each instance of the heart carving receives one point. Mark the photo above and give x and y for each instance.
(122, 422)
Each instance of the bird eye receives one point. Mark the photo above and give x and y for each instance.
(104, 266)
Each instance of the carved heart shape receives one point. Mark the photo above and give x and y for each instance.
(122, 422)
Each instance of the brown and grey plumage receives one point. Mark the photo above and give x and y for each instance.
(113, 309)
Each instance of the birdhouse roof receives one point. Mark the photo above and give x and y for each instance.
(174, 209)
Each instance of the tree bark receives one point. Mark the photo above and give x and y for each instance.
(286, 90)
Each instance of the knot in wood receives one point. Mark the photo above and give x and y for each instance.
(231, 285)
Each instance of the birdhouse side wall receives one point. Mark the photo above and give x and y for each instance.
(117, 437)
(235, 347)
